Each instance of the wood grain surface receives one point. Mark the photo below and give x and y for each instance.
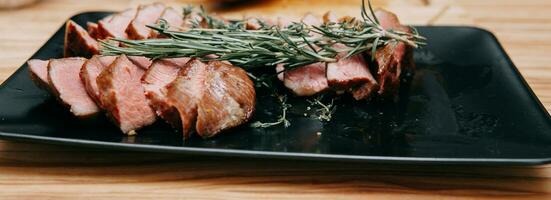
(39, 171)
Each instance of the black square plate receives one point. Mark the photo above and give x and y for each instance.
(465, 104)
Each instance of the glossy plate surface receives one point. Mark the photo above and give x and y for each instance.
(465, 104)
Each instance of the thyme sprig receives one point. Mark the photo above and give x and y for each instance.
(293, 46)
(282, 120)
(323, 111)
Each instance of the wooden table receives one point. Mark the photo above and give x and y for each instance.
(57, 172)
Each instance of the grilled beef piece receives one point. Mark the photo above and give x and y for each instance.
(140, 61)
(183, 95)
(90, 72)
(146, 15)
(256, 23)
(366, 90)
(78, 42)
(122, 95)
(64, 78)
(114, 26)
(352, 74)
(228, 100)
(348, 72)
(252, 24)
(212, 22)
(306, 80)
(330, 17)
(92, 29)
(38, 70)
(393, 57)
(156, 78)
(173, 18)
(212, 97)
(311, 20)
(283, 22)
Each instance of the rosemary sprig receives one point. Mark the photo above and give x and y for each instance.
(292, 46)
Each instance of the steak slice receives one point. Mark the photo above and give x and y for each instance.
(38, 69)
(92, 29)
(311, 20)
(140, 61)
(90, 72)
(184, 93)
(306, 80)
(366, 90)
(330, 17)
(78, 42)
(283, 22)
(228, 100)
(352, 74)
(64, 78)
(146, 15)
(256, 23)
(173, 18)
(391, 58)
(161, 73)
(348, 72)
(122, 96)
(114, 26)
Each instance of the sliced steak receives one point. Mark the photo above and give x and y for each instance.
(212, 97)
(330, 17)
(78, 42)
(311, 20)
(283, 22)
(352, 74)
(38, 70)
(114, 26)
(90, 72)
(92, 29)
(122, 96)
(156, 78)
(184, 93)
(306, 80)
(365, 91)
(391, 58)
(256, 23)
(140, 61)
(214, 23)
(348, 72)
(389, 20)
(228, 99)
(64, 78)
(173, 18)
(146, 15)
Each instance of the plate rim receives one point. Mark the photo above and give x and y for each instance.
(277, 155)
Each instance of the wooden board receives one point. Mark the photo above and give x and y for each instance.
(29, 171)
